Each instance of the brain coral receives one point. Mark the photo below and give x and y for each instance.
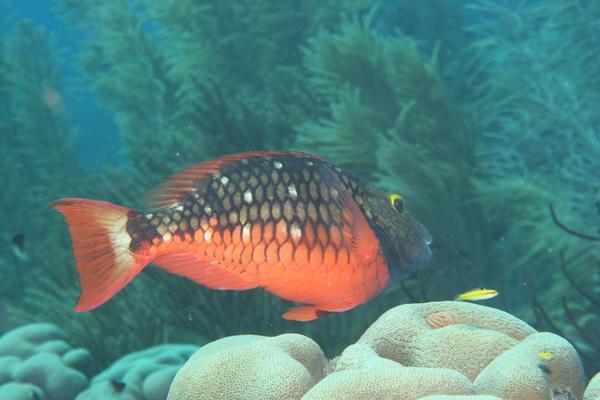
(143, 375)
(386, 383)
(251, 367)
(35, 360)
(448, 334)
(441, 350)
(518, 374)
(460, 397)
(592, 392)
(362, 374)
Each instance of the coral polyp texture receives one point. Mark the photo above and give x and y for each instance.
(469, 352)
(592, 392)
(252, 367)
(518, 372)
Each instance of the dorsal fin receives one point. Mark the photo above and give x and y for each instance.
(178, 186)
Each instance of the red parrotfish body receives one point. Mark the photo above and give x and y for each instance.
(288, 222)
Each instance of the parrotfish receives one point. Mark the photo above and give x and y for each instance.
(289, 222)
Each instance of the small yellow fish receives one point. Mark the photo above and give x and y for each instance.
(545, 356)
(477, 294)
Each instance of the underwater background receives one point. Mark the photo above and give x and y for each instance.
(482, 114)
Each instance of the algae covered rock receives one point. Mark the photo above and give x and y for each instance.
(36, 360)
(251, 367)
(142, 375)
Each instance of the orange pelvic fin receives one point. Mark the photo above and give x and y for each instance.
(207, 273)
(304, 313)
(101, 248)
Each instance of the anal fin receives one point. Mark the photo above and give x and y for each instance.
(304, 313)
(209, 274)
(336, 307)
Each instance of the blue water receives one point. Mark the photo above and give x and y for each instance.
(97, 141)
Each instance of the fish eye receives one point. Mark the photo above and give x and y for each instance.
(397, 202)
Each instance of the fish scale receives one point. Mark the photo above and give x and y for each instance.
(291, 198)
(288, 222)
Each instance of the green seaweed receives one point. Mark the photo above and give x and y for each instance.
(387, 116)
(533, 95)
(37, 144)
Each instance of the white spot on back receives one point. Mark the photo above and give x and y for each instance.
(296, 232)
(208, 210)
(292, 191)
(179, 208)
(277, 165)
(224, 180)
(246, 233)
(248, 196)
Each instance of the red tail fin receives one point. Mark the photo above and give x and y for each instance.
(101, 248)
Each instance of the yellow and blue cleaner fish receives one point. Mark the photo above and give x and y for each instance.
(477, 294)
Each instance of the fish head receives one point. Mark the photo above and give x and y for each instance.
(405, 241)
